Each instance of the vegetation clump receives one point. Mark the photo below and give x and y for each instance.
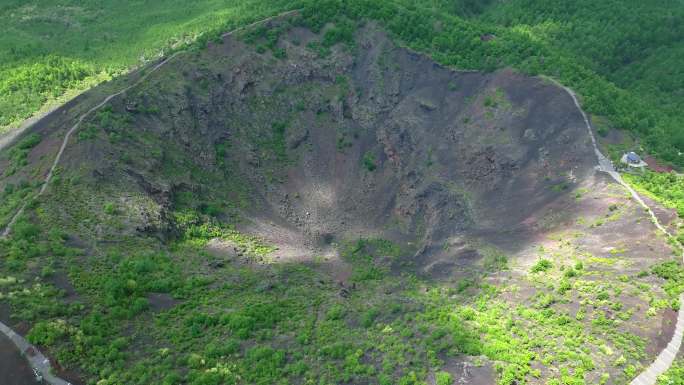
(541, 266)
(369, 161)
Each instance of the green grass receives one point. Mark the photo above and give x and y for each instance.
(674, 376)
(11, 198)
(198, 229)
(286, 323)
(541, 266)
(369, 161)
(50, 47)
(18, 154)
(666, 188)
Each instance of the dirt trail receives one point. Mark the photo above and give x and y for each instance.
(606, 166)
(664, 360)
(33, 355)
(48, 178)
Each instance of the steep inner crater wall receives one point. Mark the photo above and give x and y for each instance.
(310, 145)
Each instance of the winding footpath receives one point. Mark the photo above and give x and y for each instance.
(38, 361)
(73, 128)
(6, 141)
(665, 359)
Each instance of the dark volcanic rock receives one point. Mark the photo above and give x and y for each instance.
(374, 141)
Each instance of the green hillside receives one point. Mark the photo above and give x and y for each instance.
(635, 45)
(50, 48)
